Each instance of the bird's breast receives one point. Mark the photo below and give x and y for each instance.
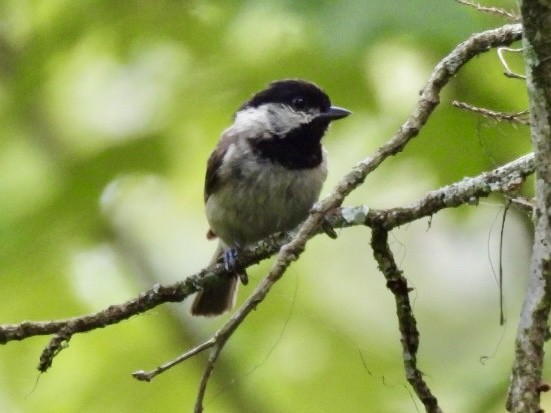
(257, 198)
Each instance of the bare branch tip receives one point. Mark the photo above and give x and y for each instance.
(496, 11)
(513, 117)
(508, 72)
(142, 375)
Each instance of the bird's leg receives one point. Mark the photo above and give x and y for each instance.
(328, 228)
(230, 264)
(230, 259)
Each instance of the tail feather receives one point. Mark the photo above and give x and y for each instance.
(218, 299)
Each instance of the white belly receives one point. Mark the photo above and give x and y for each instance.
(258, 201)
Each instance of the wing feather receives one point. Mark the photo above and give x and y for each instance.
(213, 179)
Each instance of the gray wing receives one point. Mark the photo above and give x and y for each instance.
(213, 179)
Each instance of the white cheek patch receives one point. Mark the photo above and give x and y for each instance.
(269, 120)
(251, 122)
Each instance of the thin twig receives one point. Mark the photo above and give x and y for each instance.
(491, 10)
(213, 357)
(516, 117)
(525, 205)
(508, 72)
(150, 375)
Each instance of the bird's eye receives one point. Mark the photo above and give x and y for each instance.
(298, 103)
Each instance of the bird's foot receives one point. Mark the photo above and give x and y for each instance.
(328, 228)
(230, 265)
(230, 259)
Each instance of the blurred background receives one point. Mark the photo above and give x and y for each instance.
(108, 112)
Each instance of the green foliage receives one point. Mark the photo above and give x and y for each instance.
(108, 111)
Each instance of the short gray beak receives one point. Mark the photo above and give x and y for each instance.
(335, 113)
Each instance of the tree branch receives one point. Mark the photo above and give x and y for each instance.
(491, 10)
(517, 117)
(398, 284)
(505, 179)
(533, 329)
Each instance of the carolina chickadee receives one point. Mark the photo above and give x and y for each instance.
(264, 175)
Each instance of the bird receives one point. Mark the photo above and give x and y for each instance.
(264, 176)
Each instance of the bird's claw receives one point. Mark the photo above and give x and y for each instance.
(230, 265)
(230, 259)
(328, 228)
